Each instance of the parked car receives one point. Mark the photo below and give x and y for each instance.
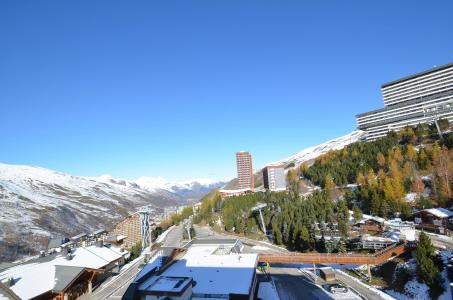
(338, 288)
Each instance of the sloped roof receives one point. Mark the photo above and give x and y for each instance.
(52, 272)
(64, 275)
(439, 212)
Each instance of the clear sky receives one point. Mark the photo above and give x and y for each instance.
(174, 88)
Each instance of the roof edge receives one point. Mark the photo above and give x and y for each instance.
(417, 75)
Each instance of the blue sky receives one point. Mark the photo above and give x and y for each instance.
(174, 88)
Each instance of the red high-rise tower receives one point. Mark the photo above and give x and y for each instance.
(245, 170)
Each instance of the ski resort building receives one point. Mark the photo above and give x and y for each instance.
(134, 229)
(438, 220)
(206, 269)
(245, 170)
(274, 178)
(412, 100)
(64, 275)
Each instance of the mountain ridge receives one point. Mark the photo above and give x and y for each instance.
(37, 203)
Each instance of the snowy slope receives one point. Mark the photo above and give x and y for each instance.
(311, 153)
(307, 155)
(36, 203)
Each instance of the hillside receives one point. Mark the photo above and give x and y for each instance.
(307, 155)
(37, 203)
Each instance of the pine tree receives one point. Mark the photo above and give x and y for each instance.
(426, 269)
(304, 238)
(357, 214)
(329, 184)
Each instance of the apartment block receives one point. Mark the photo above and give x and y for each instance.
(412, 100)
(131, 228)
(245, 170)
(274, 178)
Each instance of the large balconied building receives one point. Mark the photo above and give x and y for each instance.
(409, 101)
(274, 178)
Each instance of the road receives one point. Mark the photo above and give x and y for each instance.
(291, 285)
(438, 240)
(115, 287)
(359, 287)
(251, 246)
(174, 237)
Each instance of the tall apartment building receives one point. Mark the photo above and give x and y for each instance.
(274, 178)
(245, 170)
(409, 101)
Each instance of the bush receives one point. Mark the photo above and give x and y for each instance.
(135, 250)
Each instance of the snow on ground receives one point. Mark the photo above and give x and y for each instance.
(163, 235)
(417, 290)
(411, 197)
(374, 289)
(267, 291)
(260, 248)
(315, 151)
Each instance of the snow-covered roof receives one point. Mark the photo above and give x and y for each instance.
(219, 274)
(164, 284)
(439, 212)
(35, 278)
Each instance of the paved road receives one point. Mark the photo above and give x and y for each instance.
(174, 237)
(116, 286)
(291, 285)
(361, 288)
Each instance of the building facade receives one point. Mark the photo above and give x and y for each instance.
(245, 170)
(274, 178)
(439, 220)
(131, 228)
(412, 100)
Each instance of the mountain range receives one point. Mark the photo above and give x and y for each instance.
(37, 203)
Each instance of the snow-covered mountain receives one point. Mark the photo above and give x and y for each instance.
(36, 203)
(309, 154)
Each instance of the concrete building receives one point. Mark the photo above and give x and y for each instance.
(136, 228)
(245, 170)
(409, 101)
(274, 178)
(206, 269)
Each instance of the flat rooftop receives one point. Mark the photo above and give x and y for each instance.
(213, 271)
(168, 285)
(431, 70)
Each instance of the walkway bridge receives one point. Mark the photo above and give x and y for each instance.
(323, 258)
